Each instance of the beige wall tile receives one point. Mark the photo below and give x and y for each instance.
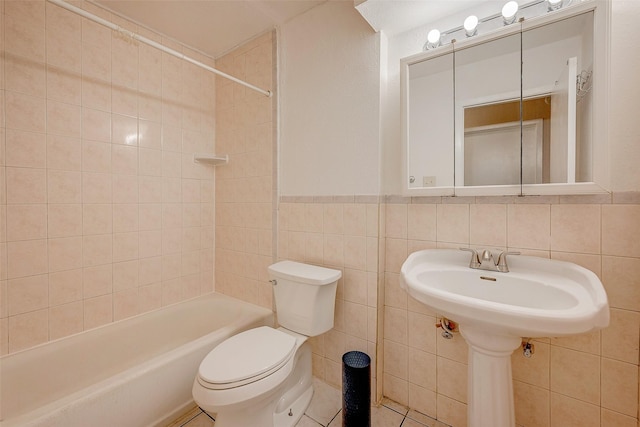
(64, 220)
(64, 119)
(454, 349)
(26, 258)
(63, 153)
(533, 370)
(63, 86)
(96, 188)
(395, 325)
(64, 187)
(28, 329)
(621, 230)
(65, 287)
(620, 387)
(65, 253)
(528, 226)
(488, 225)
(588, 343)
(451, 411)
(396, 221)
(395, 388)
(422, 399)
(26, 222)
(98, 311)
(421, 222)
(66, 320)
(621, 279)
(24, 112)
(96, 125)
(422, 366)
(27, 294)
(25, 149)
(452, 379)
(25, 185)
(453, 223)
(396, 359)
(621, 339)
(97, 219)
(531, 405)
(24, 76)
(96, 156)
(575, 228)
(588, 261)
(575, 374)
(422, 332)
(610, 418)
(569, 412)
(355, 219)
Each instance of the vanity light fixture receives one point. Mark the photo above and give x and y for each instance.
(471, 25)
(509, 12)
(433, 39)
(554, 4)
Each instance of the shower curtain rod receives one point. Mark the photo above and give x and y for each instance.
(149, 42)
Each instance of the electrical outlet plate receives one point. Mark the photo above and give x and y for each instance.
(428, 181)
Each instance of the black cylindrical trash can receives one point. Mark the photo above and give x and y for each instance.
(356, 389)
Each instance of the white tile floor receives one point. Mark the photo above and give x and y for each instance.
(325, 410)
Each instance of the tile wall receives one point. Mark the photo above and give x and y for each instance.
(103, 213)
(341, 233)
(589, 380)
(245, 212)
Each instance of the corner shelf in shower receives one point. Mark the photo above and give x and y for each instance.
(211, 159)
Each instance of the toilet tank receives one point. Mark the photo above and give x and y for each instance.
(305, 296)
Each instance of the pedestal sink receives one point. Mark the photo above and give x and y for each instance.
(538, 297)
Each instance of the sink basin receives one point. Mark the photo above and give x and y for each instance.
(538, 297)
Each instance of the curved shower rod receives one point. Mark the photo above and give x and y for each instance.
(150, 42)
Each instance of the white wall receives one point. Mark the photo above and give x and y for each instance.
(624, 134)
(329, 103)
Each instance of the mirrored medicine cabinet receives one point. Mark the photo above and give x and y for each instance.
(521, 110)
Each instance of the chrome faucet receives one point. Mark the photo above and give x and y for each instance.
(485, 261)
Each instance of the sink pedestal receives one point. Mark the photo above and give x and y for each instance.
(490, 385)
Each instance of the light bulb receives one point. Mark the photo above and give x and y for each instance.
(509, 12)
(433, 36)
(471, 25)
(433, 39)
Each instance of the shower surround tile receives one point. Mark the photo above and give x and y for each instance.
(83, 143)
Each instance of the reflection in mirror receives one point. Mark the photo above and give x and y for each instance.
(557, 65)
(430, 124)
(487, 82)
(494, 130)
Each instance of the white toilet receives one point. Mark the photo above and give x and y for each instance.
(262, 377)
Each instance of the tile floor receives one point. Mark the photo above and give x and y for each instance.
(325, 410)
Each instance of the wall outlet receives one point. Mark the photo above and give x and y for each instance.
(428, 181)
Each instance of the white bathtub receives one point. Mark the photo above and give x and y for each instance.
(136, 372)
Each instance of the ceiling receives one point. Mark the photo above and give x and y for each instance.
(217, 26)
(211, 26)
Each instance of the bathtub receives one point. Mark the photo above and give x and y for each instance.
(135, 372)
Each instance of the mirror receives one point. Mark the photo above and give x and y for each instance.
(506, 113)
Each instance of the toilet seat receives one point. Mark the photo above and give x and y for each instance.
(246, 358)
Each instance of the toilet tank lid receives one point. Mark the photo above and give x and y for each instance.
(305, 273)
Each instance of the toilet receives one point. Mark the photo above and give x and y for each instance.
(262, 377)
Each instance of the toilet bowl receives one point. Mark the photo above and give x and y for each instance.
(257, 375)
(262, 377)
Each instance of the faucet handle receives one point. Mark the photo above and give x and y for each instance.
(502, 260)
(475, 257)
